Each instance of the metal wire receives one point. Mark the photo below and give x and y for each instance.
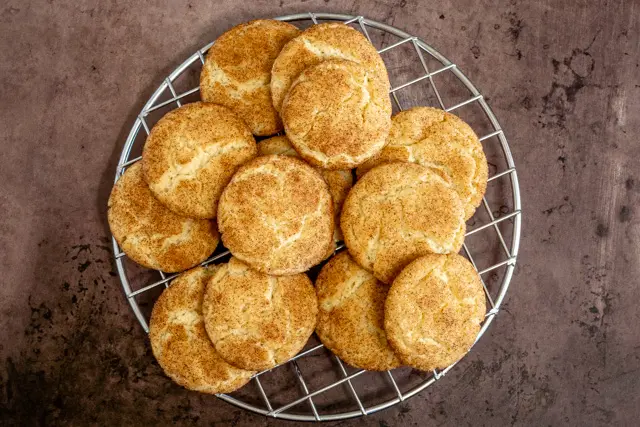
(512, 219)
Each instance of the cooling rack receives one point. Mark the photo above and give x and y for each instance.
(315, 385)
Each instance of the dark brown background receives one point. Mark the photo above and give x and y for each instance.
(563, 78)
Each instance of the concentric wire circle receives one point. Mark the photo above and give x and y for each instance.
(504, 223)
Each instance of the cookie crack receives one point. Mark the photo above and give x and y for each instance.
(235, 88)
(325, 50)
(178, 172)
(177, 239)
(314, 120)
(351, 287)
(367, 92)
(373, 247)
(286, 242)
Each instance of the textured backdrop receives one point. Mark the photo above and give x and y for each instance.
(563, 78)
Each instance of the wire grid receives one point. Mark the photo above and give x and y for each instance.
(509, 251)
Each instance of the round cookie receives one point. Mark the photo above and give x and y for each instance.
(337, 115)
(179, 340)
(257, 321)
(192, 153)
(351, 316)
(276, 215)
(319, 43)
(434, 310)
(152, 235)
(339, 181)
(432, 137)
(398, 212)
(237, 71)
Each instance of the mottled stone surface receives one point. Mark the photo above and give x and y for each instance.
(563, 78)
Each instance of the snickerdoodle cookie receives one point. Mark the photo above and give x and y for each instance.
(351, 316)
(397, 212)
(337, 115)
(152, 235)
(237, 71)
(191, 154)
(434, 311)
(276, 215)
(257, 321)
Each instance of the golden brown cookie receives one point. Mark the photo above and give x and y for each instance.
(191, 154)
(257, 321)
(351, 316)
(339, 181)
(337, 115)
(319, 43)
(279, 144)
(432, 137)
(237, 71)
(152, 235)
(434, 310)
(276, 215)
(397, 212)
(179, 340)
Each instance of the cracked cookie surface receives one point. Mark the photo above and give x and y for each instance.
(337, 114)
(434, 311)
(440, 140)
(152, 235)
(351, 315)
(319, 43)
(276, 215)
(191, 154)
(257, 321)
(339, 181)
(237, 72)
(397, 212)
(180, 342)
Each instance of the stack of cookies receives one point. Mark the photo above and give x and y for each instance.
(399, 295)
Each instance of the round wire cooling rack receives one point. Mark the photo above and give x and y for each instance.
(331, 390)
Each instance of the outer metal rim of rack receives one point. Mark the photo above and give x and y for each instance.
(511, 251)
